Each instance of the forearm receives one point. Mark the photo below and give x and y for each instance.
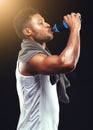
(70, 54)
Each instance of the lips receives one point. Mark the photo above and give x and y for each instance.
(50, 30)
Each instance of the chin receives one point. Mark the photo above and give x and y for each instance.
(49, 39)
(46, 39)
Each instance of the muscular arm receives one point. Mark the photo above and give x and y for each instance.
(63, 63)
(67, 60)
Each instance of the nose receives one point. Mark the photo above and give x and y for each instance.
(47, 24)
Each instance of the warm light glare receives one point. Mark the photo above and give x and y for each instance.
(7, 11)
(2, 2)
(8, 7)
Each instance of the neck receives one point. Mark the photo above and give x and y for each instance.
(43, 45)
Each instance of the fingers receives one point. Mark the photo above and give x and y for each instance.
(76, 14)
(73, 20)
(73, 15)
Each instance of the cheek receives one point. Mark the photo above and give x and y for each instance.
(37, 28)
(37, 35)
(38, 31)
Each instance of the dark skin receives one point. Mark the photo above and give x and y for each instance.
(41, 32)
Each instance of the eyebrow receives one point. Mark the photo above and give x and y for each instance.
(41, 19)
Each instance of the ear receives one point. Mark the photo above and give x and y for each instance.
(27, 31)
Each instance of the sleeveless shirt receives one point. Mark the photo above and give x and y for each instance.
(39, 107)
(38, 97)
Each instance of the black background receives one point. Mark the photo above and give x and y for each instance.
(77, 115)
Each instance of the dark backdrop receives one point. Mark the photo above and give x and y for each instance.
(77, 115)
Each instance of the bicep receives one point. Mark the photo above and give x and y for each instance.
(42, 63)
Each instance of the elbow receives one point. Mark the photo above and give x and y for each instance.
(69, 66)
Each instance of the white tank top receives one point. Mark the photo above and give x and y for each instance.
(39, 107)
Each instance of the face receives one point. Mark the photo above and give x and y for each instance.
(40, 30)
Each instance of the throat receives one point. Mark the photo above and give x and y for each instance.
(44, 45)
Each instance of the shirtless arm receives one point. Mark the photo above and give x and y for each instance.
(67, 60)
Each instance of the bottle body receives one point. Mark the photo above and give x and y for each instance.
(59, 27)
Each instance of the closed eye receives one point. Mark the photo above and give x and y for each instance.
(41, 21)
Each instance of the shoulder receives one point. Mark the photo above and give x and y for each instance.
(29, 68)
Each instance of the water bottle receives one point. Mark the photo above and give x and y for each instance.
(58, 27)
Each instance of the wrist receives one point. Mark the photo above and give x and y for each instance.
(75, 30)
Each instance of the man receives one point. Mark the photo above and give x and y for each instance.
(40, 76)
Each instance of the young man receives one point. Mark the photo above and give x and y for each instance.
(40, 76)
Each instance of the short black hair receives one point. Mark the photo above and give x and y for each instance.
(21, 19)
